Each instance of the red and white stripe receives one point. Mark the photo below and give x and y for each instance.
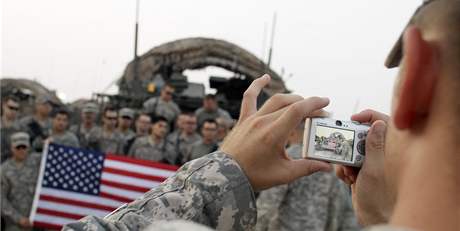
(123, 180)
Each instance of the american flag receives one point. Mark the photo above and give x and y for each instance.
(74, 183)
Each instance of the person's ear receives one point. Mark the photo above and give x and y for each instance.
(417, 80)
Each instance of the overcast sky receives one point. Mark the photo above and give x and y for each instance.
(332, 48)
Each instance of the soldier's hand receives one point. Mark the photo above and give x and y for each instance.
(25, 223)
(258, 140)
(370, 198)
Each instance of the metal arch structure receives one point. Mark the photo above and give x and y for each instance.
(195, 53)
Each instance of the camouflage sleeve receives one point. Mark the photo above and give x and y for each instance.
(349, 221)
(268, 204)
(212, 190)
(7, 209)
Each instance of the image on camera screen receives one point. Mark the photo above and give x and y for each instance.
(334, 143)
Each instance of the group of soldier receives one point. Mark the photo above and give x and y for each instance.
(157, 132)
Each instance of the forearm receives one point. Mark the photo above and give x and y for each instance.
(212, 190)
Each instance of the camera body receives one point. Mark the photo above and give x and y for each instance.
(336, 141)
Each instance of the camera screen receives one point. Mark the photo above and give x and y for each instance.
(334, 143)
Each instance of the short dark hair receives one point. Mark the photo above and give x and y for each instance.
(170, 85)
(60, 111)
(210, 96)
(109, 108)
(156, 119)
(143, 114)
(210, 121)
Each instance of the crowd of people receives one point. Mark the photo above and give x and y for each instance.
(157, 132)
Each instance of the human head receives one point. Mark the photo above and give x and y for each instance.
(425, 105)
(10, 107)
(223, 126)
(167, 92)
(180, 121)
(20, 145)
(159, 127)
(110, 118)
(125, 118)
(89, 112)
(189, 124)
(143, 124)
(43, 106)
(60, 120)
(209, 130)
(210, 103)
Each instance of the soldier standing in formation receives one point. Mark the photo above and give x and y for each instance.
(210, 110)
(88, 123)
(19, 177)
(59, 133)
(183, 140)
(164, 105)
(125, 121)
(106, 138)
(39, 124)
(9, 124)
(155, 147)
(208, 142)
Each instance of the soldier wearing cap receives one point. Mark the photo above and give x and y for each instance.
(206, 144)
(9, 124)
(88, 123)
(143, 124)
(125, 122)
(155, 147)
(210, 110)
(39, 124)
(107, 138)
(19, 178)
(163, 105)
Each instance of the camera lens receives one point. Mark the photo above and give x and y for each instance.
(338, 123)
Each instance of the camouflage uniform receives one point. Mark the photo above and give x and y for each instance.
(127, 136)
(199, 149)
(82, 133)
(18, 188)
(67, 139)
(37, 130)
(212, 190)
(5, 133)
(158, 107)
(144, 148)
(202, 115)
(183, 144)
(99, 141)
(317, 202)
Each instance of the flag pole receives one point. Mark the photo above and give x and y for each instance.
(38, 187)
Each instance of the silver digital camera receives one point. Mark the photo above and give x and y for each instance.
(336, 141)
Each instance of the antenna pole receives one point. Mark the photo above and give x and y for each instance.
(270, 52)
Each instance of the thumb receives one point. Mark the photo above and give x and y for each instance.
(375, 141)
(304, 167)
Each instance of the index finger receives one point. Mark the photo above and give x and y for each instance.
(249, 102)
(370, 116)
(296, 113)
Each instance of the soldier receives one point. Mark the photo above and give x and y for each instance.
(19, 179)
(210, 110)
(396, 185)
(88, 123)
(317, 202)
(208, 142)
(59, 133)
(39, 124)
(164, 105)
(155, 147)
(178, 125)
(223, 126)
(106, 138)
(125, 121)
(184, 140)
(9, 124)
(143, 125)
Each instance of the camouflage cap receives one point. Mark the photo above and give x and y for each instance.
(90, 107)
(126, 112)
(396, 53)
(20, 138)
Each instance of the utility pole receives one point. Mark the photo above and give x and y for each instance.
(270, 52)
(136, 29)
